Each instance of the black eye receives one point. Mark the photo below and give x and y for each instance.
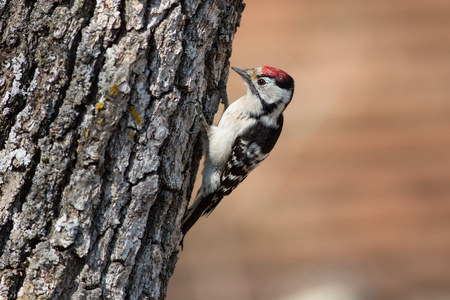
(261, 82)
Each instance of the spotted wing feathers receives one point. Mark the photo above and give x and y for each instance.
(248, 151)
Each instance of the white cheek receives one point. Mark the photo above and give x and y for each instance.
(286, 94)
(270, 94)
(274, 94)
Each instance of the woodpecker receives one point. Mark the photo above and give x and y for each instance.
(243, 138)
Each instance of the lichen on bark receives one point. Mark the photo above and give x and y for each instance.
(96, 165)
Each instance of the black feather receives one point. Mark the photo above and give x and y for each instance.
(248, 151)
(243, 158)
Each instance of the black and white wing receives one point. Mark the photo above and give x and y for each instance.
(248, 151)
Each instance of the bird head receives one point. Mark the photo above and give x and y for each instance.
(272, 86)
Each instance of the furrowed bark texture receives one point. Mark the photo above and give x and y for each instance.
(95, 163)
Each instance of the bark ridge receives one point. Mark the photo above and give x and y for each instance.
(95, 163)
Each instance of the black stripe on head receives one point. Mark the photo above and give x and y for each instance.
(286, 84)
(283, 79)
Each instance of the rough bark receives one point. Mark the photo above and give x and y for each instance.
(96, 167)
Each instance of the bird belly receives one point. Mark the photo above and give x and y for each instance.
(221, 139)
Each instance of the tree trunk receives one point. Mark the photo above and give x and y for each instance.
(96, 166)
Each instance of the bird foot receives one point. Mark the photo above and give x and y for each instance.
(223, 94)
(198, 117)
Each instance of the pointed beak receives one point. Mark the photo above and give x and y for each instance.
(243, 74)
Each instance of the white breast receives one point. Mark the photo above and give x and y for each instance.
(232, 123)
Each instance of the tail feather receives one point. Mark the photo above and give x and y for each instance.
(202, 205)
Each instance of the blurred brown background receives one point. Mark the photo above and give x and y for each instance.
(354, 201)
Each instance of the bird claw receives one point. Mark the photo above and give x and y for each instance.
(199, 116)
(196, 127)
(223, 94)
(197, 103)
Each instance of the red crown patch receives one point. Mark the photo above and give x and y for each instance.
(276, 73)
